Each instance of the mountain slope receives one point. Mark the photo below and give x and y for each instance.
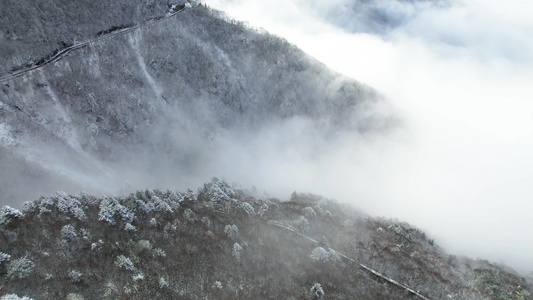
(33, 29)
(227, 243)
(158, 99)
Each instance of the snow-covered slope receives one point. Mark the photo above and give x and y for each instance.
(147, 107)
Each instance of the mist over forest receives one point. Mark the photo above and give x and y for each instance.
(172, 104)
(459, 72)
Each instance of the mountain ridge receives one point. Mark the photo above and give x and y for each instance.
(224, 242)
(157, 96)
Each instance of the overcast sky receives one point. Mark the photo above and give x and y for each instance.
(461, 76)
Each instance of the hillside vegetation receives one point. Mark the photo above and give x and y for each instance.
(148, 98)
(221, 242)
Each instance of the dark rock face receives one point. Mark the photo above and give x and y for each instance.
(157, 97)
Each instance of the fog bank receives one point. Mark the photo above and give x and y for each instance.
(461, 73)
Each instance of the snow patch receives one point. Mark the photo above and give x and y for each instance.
(64, 127)
(6, 138)
(223, 56)
(134, 42)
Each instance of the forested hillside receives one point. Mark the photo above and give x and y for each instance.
(161, 99)
(222, 242)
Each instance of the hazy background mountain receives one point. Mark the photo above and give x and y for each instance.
(375, 17)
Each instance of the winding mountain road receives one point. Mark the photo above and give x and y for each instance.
(364, 267)
(63, 52)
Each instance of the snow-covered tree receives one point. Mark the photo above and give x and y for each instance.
(263, 209)
(124, 263)
(7, 214)
(160, 205)
(319, 254)
(189, 215)
(107, 211)
(236, 252)
(309, 212)
(190, 195)
(302, 223)
(248, 208)
(232, 231)
(110, 207)
(4, 258)
(69, 205)
(68, 233)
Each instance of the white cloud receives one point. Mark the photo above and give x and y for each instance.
(462, 76)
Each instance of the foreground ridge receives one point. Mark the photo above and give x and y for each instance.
(224, 242)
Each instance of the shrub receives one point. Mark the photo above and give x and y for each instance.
(20, 268)
(129, 227)
(75, 276)
(124, 263)
(73, 296)
(217, 285)
(4, 257)
(158, 252)
(14, 297)
(163, 283)
(317, 290)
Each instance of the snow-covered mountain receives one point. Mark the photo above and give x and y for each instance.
(104, 98)
(137, 97)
